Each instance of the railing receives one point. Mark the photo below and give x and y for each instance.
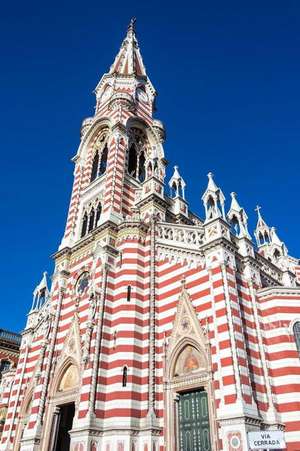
(269, 269)
(187, 236)
(10, 336)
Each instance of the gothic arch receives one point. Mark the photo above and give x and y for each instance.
(187, 370)
(151, 136)
(60, 397)
(61, 372)
(89, 138)
(179, 349)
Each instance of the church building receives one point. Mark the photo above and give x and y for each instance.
(162, 330)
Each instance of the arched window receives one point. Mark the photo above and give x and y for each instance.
(276, 254)
(142, 172)
(128, 293)
(91, 219)
(267, 239)
(235, 226)
(103, 162)
(132, 161)
(98, 214)
(84, 225)
(115, 339)
(260, 238)
(211, 208)
(99, 163)
(124, 376)
(174, 190)
(149, 170)
(95, 165)
(296, 330)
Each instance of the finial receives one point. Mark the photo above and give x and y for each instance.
(131, 26)
(233, 195)
(210, 175)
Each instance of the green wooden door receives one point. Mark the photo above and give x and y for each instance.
(194, 422)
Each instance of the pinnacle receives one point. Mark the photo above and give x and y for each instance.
(211, 183)
(260, 220)
(234, 203)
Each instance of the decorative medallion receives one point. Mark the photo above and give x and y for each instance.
(235, 441)
(185, 324)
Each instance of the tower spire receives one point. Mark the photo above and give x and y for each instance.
(129, 59)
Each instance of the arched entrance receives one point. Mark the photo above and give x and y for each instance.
(189, 401)
(189, 410)
(62, 408)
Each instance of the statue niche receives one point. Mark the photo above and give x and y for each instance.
(189, 361)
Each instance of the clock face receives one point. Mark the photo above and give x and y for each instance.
(141, 95)
(83, 283)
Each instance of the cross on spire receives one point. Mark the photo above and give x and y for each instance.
(257, 209)
(131, 26)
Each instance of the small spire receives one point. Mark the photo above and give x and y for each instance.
(234, 203)
(40, 293)
(213, 200)
(237, 218)
(177, 183)
(211, 183)
(262, 231)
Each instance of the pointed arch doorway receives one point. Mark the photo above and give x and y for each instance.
(62, 408)
(190, 418)
(190, 415)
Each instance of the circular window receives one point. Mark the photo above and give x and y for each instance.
(83, 283)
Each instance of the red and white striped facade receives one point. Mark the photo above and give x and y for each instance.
(193, 282)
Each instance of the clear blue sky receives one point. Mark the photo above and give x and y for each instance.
(227, 75)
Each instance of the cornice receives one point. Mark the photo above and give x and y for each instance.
(133, 225)
(221, 241)
(278, 290)
(152, 198)
(83, 242)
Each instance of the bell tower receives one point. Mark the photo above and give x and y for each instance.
(120, 160)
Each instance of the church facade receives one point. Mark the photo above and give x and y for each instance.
(161, 330)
